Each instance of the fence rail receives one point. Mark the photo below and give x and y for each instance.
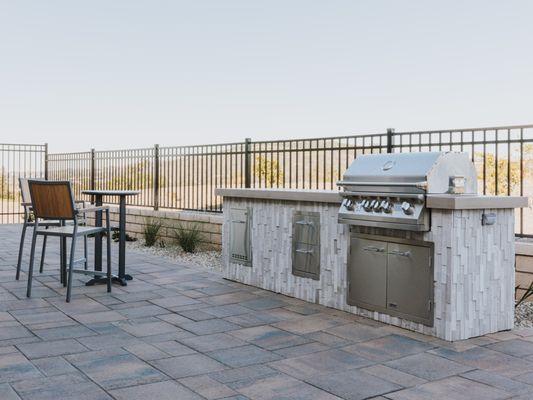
(18, 161)
(185, 177)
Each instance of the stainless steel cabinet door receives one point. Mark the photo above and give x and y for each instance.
(306, 244)
(240, 236)
(410, 280)
(367, 273)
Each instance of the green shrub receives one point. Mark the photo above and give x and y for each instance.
(188, 237)
(151, 231)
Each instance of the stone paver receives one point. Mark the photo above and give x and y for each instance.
(180, 332)
(167, 390)
(428, 366)
(113, 371)
(243, 356)
(64, 387)
(353, 384)
(388, 348)
(331, 361)
(188, 365)
(284, 387)
(15, 366)
(453, 388)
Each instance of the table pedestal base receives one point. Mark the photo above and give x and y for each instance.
(102, 280)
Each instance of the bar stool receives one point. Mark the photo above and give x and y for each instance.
(29, 223)
(54, 200)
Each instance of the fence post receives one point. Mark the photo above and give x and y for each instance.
(92, 177)
(46, 161)
(390, 139)
(156, 177)
(247, 163)
(93, 171)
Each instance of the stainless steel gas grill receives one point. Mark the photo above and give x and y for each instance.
(389, 190)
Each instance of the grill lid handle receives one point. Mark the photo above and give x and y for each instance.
(419, 185)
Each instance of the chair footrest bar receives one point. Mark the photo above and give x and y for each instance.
(88, 272)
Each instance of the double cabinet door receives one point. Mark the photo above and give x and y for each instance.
(391, 277)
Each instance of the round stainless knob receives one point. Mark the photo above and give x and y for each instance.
(368, 205)
(377, 206)
(407, 208)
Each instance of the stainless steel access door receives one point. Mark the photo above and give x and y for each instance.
(410, 281)
(367, 273)
(239, 243)
(306, 244)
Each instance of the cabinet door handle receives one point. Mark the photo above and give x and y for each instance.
(400, 253)
(304, 251)
(374, 249)
(304, 223)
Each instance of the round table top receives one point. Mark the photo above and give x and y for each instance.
(111, 192)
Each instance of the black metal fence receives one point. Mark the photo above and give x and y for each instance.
(185, 177)
(16, 161)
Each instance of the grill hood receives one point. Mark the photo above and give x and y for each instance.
(429, 172)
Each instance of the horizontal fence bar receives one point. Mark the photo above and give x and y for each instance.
(188, 175)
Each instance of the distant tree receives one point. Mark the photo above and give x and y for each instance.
(136, 176)
(502, 177)
(268, 171)
(6, 191)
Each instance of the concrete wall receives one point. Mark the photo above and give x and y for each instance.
(210, 224)
(524, 265)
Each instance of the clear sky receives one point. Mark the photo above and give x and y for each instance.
(130, 73)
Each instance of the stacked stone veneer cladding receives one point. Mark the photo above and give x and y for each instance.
(473, 264)
(210, 224)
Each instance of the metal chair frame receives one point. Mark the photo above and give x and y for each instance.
(28, 223)
(73, 231)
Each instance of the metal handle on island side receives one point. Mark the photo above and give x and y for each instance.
(374, 249)
(304, 223)
(305, 251)
(400, 253)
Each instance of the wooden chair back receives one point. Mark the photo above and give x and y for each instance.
(24, 190)
(52, 199)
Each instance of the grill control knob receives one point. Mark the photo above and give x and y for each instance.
(348, 204)
(407, 208)
(367, 205)
(377, 206)
(386, 206)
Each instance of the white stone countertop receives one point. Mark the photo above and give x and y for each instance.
(473, 202)
(315, 196)
(442, 201)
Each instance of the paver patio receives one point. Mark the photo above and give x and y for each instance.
(182, 332)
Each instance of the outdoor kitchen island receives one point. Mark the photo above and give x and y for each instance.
(470, 289)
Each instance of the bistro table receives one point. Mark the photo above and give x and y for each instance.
(98, 196)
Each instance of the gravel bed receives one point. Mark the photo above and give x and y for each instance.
(209, 259)
(523, 317)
